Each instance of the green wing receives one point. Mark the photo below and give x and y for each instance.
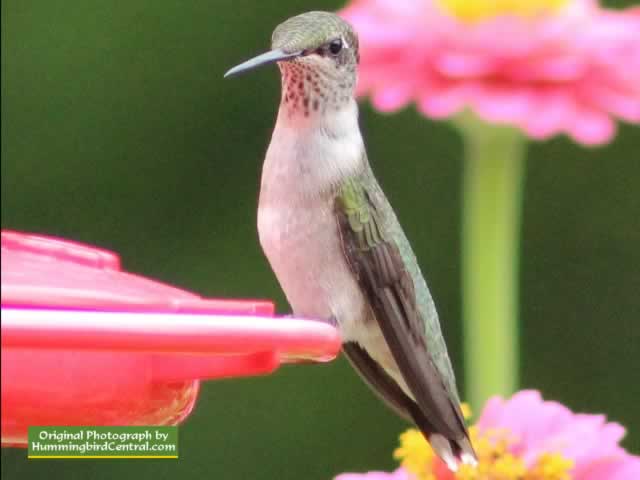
(378, 266)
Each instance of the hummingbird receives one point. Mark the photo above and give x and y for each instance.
(334, 242)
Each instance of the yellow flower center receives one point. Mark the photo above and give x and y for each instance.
(495, 461)
(473, 10)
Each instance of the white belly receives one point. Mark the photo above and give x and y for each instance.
(303, 248)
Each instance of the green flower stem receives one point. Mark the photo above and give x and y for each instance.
(493, 181)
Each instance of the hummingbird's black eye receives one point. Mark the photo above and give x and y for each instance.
(335, 46)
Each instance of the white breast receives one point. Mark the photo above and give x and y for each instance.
(296, 221)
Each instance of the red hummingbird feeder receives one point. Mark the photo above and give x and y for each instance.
(85, 343)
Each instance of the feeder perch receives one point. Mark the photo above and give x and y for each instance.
(85, 343)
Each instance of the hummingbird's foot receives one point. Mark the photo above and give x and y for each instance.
(333, 321)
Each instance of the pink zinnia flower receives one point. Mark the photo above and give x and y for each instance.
(546, 67)
(537, 428)
(524, 438)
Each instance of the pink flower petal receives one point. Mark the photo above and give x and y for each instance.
(550, 68)
(502, 103)
(391, 98)
(491, 413)
(623, 467)
(624, 104)
(462, 65)
(552, 110)
(444, 102)
(591, 127)
(399, 474)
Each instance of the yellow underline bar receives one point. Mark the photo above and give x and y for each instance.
(102, 456)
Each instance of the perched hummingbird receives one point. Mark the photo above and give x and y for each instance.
(334, 242)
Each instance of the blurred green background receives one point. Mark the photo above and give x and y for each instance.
(118, 130)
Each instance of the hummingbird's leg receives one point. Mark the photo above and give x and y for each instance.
(332, 320)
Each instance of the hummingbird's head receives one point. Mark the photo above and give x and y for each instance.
(317, 53)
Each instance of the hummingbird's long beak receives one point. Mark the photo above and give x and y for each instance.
(264, 59)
